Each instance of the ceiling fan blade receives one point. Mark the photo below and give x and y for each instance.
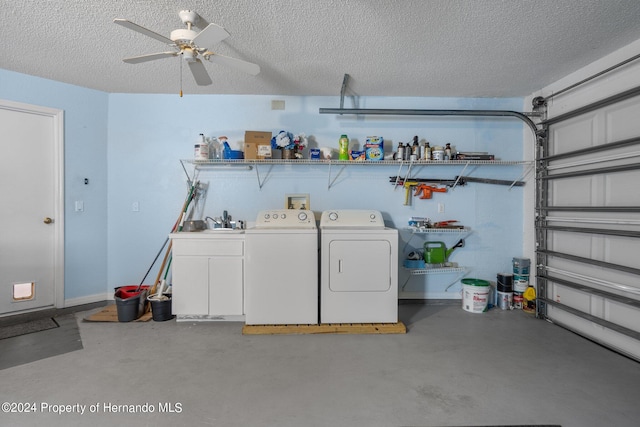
(135, 27)
(199, 73)
(150, 57)
(211, 35)
(238, 64)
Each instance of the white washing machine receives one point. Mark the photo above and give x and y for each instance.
(281, 268)
(358, 268)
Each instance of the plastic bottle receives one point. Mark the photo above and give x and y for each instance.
(201, 151)
(400, 154)
(447, 151)
(438, 153)
(529, 299)
(343, 144)
(214, 148)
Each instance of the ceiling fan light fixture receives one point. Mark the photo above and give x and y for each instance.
(189, 54)
(190, 45)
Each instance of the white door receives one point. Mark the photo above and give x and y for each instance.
(31, 212)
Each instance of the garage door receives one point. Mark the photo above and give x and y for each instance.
(588, 221)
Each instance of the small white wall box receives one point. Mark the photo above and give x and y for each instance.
(297, 201)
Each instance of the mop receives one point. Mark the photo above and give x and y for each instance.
(159, 284)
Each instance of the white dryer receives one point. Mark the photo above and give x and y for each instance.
(358, 268)
(281, 268)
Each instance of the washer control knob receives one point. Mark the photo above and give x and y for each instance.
(333, 216)
(372, 216)
(283, 216)
(302, 216)
(275, 216)
(266, 216)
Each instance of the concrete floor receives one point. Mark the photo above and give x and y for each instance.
(452, 368)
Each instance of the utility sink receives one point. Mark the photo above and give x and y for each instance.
(223, 230)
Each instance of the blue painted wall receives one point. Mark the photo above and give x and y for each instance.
(85, 139)
(129, 147)
(149, 133)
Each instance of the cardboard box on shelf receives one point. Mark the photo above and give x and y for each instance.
(257, 145)
(374, 148)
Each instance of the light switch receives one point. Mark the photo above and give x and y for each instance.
(440, 207)
(135, 207)
(79, 206)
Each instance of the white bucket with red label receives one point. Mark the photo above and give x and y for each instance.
(475, 295)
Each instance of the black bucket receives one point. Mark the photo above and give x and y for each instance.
(160, 309)
(505, 282)
(130, 303)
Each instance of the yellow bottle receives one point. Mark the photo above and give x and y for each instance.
(529, 300)
(343, 145)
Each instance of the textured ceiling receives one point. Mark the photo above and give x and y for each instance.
(467, 48)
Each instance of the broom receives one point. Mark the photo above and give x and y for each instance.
(176, 227)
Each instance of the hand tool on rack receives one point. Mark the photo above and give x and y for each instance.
(407, 191)
(447, 224)
(458, 180)
(426, 191)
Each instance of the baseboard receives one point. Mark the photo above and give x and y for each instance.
(454, 295)
(89, 299)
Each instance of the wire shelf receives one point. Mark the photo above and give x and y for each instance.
(215, 162)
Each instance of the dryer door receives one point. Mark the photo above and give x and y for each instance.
(359, 266)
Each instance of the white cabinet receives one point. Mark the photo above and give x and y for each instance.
(225, 286)
(208, 275)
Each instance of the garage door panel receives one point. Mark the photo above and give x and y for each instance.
(623, 251)
(575, 244)
(617, 341)
(571, 298)
(572, 191)
(588, 256)
(622, 314)
(616, 283)
(622, 189)
(594, 277)
(575, 134)
(622, 120)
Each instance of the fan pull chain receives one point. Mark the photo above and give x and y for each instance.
(181, 77)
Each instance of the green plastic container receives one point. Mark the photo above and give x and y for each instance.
(475, 282)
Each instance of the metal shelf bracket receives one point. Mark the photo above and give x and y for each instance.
(261, 183)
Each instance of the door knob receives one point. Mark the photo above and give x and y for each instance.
(48, 220)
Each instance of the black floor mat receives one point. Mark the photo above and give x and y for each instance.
(31, 347)
(27, 327)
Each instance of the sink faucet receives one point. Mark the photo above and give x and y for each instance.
(225, 220)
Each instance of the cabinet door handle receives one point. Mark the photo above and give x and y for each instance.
(339, 266)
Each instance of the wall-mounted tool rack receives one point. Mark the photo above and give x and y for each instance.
(258, 165)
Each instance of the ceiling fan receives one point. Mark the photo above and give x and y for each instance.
(192, 46)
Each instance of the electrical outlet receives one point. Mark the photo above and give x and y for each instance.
(135, 207)
(440, 207)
